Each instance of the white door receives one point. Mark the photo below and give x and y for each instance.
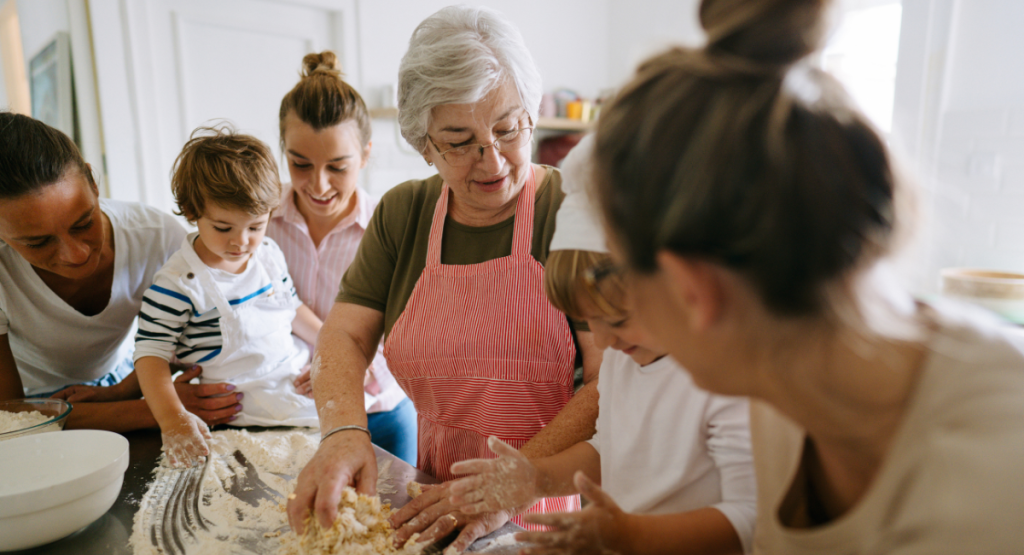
(166, 67)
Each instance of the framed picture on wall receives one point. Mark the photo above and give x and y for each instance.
(52, 86)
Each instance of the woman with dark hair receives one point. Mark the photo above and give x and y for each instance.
(750, 205)
(73, 268)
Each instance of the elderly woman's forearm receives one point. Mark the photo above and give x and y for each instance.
(576, 422)
(347, 343)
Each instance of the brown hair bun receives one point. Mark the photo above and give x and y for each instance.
(769, 34)
(324, 62)
(323, 99)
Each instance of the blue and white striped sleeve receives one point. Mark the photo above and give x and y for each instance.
(165, 312)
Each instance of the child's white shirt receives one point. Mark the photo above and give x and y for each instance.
(252, 348)
(667, 446)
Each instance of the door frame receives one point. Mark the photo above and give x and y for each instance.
(127, 88)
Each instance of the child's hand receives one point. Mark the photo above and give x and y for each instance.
(185, 440)
(505, 483)
(599, 528)
(303, 384)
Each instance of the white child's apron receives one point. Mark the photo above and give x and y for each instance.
(259, 354)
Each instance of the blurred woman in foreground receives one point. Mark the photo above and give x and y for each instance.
(750, 206)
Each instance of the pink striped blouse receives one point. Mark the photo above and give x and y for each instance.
(317, 274)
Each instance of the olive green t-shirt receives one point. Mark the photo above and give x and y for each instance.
(393, 252)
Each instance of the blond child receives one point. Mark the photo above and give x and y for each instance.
(673, 461)
(225, 300)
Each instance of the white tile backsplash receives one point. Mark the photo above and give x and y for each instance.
(975, 199)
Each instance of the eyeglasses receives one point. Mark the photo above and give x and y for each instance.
(470, 154)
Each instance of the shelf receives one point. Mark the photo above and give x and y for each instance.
(546, 124)
(564, 124)
(384, 113)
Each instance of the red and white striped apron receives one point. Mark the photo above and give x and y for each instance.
(481, 352)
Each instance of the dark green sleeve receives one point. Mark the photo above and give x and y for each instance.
(368, 280)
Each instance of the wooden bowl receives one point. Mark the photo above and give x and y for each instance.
(1001, 292)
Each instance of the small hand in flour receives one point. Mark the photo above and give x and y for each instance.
(184, 441)
(433, 517)
(599, 528)
(507, 482)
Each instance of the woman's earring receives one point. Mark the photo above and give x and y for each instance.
(429, 163)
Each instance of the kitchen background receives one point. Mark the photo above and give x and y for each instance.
(937, 75)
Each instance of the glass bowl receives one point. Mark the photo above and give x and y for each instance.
(56, 409)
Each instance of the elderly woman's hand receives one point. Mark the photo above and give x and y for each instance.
(434, 517)
(599, 528)
(342, 459)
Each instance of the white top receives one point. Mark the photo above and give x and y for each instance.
(577, 226)
(667, 446)
(54, 345)
(953, 480)
(237, 326)
(180, 317)
(318, 271)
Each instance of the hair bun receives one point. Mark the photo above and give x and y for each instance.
(769, 34)
(324, 62)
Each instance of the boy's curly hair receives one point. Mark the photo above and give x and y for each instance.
(227, 168)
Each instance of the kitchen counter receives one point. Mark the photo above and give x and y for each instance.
(109, 535)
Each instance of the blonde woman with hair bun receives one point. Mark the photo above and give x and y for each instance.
(750, 206)
(326, 141)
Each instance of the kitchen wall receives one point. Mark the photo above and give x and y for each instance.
(640, 29)
(977, 179)
(39, 22)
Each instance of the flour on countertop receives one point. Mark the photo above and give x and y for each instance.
(234, 525)
(13, 421)
(503, 540)
(385, 483)
(257, 522)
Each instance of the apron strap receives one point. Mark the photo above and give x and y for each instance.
(437, 228)
(202, 273)
(522, 234)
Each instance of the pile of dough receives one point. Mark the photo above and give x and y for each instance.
(362, 527)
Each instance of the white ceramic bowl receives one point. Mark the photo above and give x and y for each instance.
(54, 484)
(1000, 292)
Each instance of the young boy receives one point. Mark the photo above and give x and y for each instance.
(225, 300)
(674, 460)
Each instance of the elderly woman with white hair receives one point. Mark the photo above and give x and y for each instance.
(450, 272)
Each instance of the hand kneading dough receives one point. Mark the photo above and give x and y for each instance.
(362, 527)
